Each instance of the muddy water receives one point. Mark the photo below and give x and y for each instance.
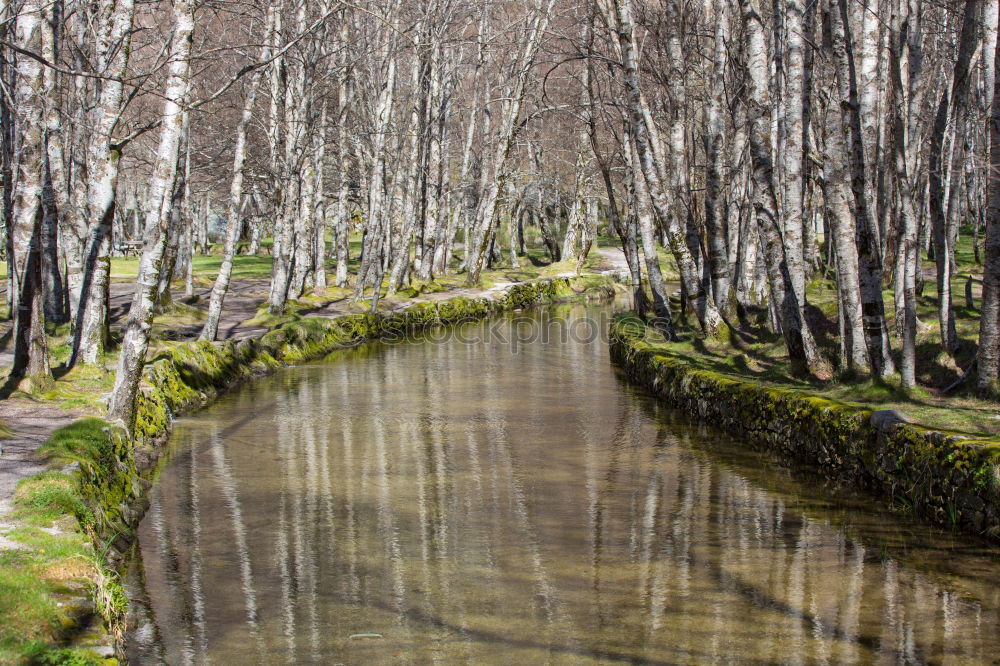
(475, 499)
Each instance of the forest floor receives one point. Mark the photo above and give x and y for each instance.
(945, 397)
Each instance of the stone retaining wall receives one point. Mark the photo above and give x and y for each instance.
(947, 478)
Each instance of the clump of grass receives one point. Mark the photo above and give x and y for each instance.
(52, 564)
(266, 319)
(85, 442)
(28, 610)
(63, 657)
(80, 388)
(48, 497)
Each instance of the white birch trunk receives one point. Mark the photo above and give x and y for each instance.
(55, 195)
(281, 250)
(988, 355)
(644, 219)
(211, 329)
(88, 296)
(121, 409)
(318, 212)
(30, 346)
(838, 201)
(714, 148)
(300, 161)
(792, 151)
(869, 81)
(906, 65)
(342, 225)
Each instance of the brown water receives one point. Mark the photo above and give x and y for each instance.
(478, 501)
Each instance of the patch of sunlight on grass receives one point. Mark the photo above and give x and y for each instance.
(50, 562)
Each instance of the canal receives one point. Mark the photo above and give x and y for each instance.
(496, 493)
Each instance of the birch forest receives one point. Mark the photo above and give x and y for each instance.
(742, 156)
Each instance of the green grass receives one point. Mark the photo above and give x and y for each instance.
(85, 442)
(79, 389)
(206, 267)
(53, 562)
(765, 362)
(294, 311)
(763, 358)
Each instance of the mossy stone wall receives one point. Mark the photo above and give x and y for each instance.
(947, 478)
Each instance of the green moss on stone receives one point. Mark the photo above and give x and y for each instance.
(945, 477)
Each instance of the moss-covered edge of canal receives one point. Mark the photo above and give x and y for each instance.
(106, 490)
(946, 478)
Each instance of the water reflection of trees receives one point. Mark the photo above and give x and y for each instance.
(468, 503)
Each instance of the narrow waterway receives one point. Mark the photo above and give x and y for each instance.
(497, 494)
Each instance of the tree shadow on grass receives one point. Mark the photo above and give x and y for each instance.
(539, 262)
(520, 276)
(9, 386)
(939, 370)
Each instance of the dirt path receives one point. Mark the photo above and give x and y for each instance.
(32, 422)
(614, 257)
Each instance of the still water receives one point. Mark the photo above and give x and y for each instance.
(484, 498)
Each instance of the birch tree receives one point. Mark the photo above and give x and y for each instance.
(87, 252)
(233, 214)
(55, 188)
(792, 152)
(714, 145)
(906, 65)
(30, 346)
(121, 408)
(988, 357)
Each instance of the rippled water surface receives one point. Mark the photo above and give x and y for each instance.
(478, 501)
